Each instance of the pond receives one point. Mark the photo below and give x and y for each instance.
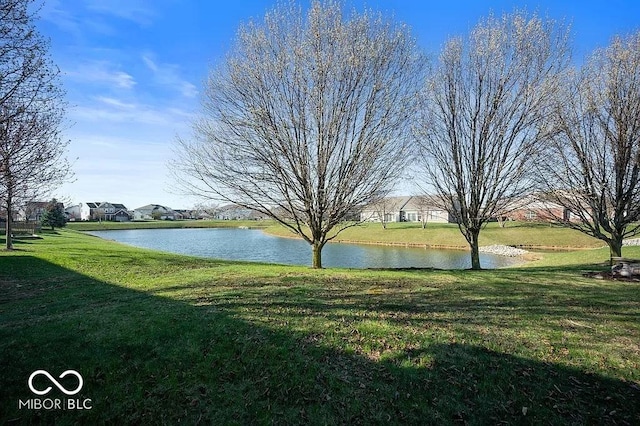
(254, 245)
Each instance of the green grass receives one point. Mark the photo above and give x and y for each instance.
(167, 339)
(537, 235)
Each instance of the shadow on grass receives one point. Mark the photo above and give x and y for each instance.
(155, 360)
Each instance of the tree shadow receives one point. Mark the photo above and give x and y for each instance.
(152, 359)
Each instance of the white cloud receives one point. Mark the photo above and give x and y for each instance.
(101, 72)
(137, 11)
(74, 20)
(116, 103)
(53, 12)
(168, 75)
(105, 110)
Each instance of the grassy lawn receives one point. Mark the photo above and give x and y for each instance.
(167, 339)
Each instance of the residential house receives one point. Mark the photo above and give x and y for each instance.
(419, 208)
(389, 209)
(155, 212)
(426, 209)
(185, 214)
(533, 208)
(235, 212)
(73, 213)
(32, 211)
(110, 212)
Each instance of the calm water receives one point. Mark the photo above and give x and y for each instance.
(254, 245)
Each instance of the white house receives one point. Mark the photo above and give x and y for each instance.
(155, 212)
(111, 212)
(235, 212)
(74, 213)
(419, 208)
(427, 209)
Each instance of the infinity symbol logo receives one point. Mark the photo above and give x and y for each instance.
(55, 382)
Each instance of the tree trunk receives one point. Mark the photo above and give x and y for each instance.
(9, 227)
(615, 248)
(316, 248)
(475, 249)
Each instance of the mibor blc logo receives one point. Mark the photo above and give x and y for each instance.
(55, 403)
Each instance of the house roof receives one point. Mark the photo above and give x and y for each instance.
(153, 207)
(425, 202)
(390, 204)
(105, 204)
(415, 202)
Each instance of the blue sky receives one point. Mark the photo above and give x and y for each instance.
(133, 72)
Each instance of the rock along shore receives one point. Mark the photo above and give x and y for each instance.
(502, 250)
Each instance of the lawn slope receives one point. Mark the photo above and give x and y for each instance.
(528, 235)
(163, 339)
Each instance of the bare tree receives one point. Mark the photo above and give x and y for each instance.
(592, 164)
(424, 204)
(308, 118)
(31, 112)
(208, 210)
(482, 106)
(383, 210)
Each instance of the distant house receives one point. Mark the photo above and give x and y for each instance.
(533, 208)
(110, 212)
(427, 209)
(389, 209)
(34, 210)
(236, 212)
(420, 208)
(155, 212)
(185, 214)
(74, 213)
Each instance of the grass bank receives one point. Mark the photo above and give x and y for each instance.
(528, 235)
(163, 339)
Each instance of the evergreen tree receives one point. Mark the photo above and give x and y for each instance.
(53, 215)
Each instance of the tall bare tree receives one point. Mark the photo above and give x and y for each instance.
(308, 118)
(592, 164)
(31, 112)
(482, 106)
